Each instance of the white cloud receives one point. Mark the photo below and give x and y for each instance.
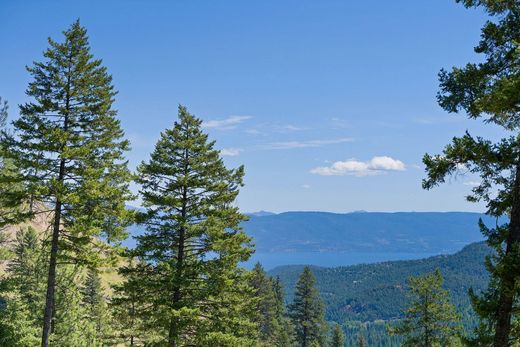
(471, 183)
(306, 144)
(224, 124)
(375, 166)
(230, 152)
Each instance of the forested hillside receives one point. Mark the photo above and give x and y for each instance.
(371, 295)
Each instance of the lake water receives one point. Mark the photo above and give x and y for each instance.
(272, 260)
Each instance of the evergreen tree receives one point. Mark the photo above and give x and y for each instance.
(193, 242)
(489, 90)
(68, 148)
(129, 308)
(338, 337)
(431, 320)
(285, 336)
(270, 313)
(23, 291)
(307, 312)
(361, 342)
(95, 305)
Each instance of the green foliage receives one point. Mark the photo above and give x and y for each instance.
(307, 312)
(24, 293)
(489, 91)
(270, 316)
(67, 148)
(187, 259)
(431, 320)
(71, 121)
(361, 342)
(338, 337)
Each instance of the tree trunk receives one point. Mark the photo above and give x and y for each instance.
(51, 278)
(176, 297)
(507, 283)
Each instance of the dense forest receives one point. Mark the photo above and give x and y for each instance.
(369, 297)
(67, 281)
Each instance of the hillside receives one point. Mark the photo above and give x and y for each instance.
(410, 232)
(373, 292)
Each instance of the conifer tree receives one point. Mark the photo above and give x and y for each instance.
(431, 320)
(129, 308)
(338, 337)
(193, 242)
(307, 312)
(270, 313)
(361, 342)
(489, 91)
(23, 289)
(95, 305)
(68, 147)
(285, 336)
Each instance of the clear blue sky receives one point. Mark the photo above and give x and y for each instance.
(330, 105)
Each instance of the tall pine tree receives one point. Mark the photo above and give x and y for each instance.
(307, 312)
(68, 147)
(193, 242)
(431, 320)
(490, 91)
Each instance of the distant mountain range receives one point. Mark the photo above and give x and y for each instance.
(403, 232)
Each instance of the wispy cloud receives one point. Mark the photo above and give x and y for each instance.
(230, 152)
(471, 183)
(230, 122)
(306, 186)
(306, 144)
(375, 166)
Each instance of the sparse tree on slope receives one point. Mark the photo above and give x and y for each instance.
(307, 312)
(490, 91)
(431, 320)
(68, 146)
(338, 337)
(193, 242)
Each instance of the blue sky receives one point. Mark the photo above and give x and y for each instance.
(330, 105)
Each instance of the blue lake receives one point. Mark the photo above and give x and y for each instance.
(272, 260)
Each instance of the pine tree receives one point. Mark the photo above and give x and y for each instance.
(193, 242)
(129, 307)
(270, 314)
(489, 90)
(431, 320)
(95, 305)
(285, 336)
(307, 312)
(338, 337)
(23, 291)
(68, 148)
(361, 340)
